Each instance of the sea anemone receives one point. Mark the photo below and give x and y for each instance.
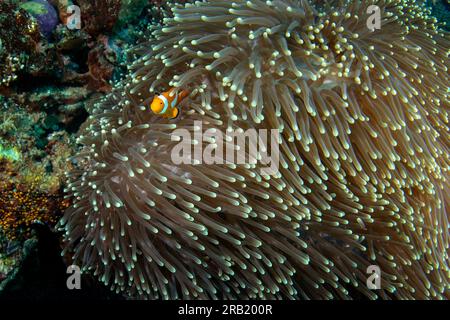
(363, 122)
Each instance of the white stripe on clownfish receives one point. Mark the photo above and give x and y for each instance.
(175, 101)
(166, 103)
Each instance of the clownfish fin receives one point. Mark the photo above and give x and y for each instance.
(183, 94)
(175, 113)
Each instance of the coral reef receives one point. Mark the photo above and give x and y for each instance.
(33, 163)
(73, 59)
(33, 160)
(363, 118)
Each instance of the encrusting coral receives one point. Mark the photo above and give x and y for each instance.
(23, 205)
(363, 121)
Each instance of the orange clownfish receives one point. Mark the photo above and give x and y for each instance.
(166, 103)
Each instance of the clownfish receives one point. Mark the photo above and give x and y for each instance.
(166, 103)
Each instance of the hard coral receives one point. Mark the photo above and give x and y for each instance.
(101, 66)
(130, 10)
(10, 256)
(363, 118)
(21, 206)
(99, 16)
(19, 36)
(23, 50)
(27, 154)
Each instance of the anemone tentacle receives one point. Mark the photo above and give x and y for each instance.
(364, 157)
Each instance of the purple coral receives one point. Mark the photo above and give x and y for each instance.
(45, 14)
